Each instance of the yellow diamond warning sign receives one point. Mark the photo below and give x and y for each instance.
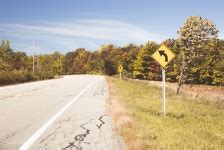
(163, 55)
(120, 68)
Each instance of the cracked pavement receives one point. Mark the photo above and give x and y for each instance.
(84, 125)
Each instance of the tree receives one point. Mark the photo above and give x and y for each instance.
(128, 56)
(57, 63)
(94, 63)
(173, 68)
(144, 66)
(81, 60)
(20, 61)
(109, 60)
(68, 63)
(193, 36)
(213, 66)
(6, 55)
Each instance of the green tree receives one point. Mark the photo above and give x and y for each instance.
(173, 68)
(127, 57)
(212, 71)
(57, 63)
(144, 66)
(6, 55)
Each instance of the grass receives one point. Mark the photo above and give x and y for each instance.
(213, 95)
(187, 125)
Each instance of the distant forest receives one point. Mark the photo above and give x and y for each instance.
(199, 59)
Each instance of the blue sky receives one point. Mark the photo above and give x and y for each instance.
(64, 25)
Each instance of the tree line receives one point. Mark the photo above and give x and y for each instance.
(199, 59)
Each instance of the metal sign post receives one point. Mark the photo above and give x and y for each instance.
(164, 92)
(120, 70)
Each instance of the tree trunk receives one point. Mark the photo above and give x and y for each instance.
(179, 82)
(181, 78)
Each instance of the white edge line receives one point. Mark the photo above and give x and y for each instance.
(38, 133)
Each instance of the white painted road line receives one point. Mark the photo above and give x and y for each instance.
(39, 132)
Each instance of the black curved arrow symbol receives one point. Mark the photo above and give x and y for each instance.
(162, 53)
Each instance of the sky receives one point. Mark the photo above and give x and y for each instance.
(65, 25)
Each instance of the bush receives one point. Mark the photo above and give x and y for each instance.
(19, 76)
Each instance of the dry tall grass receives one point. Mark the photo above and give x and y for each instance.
(123, 122)
(207, 94)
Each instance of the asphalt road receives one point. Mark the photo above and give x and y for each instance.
(65, 113)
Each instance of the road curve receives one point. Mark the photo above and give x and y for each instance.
(65, 113)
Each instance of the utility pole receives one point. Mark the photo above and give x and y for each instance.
(37, 59)
(34, 52)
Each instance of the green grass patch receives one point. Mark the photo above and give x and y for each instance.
(187, 125)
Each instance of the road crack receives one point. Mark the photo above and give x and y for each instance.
(50, 137)
(80, 138)
(101, 121)
(100, 91)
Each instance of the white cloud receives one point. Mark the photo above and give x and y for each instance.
(67, 36)
(93, 28)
